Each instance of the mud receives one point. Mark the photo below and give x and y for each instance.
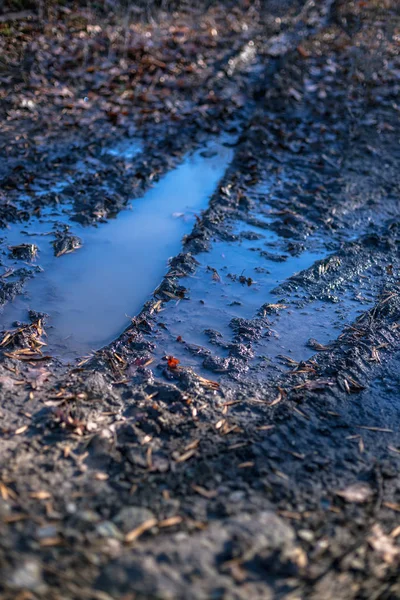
(240, 438)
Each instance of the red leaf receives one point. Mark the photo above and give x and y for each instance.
(172, 362)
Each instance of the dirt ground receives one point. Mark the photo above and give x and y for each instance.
(216, 449)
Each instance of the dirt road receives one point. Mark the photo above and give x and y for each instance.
(239, 436)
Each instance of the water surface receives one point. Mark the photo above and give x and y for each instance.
(90, 294)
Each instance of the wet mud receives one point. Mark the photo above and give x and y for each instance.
(238, 436)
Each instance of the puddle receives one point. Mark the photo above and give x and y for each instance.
(214, 303)
(292, 330)
(90, 293)
(377, 405)
(216, 299)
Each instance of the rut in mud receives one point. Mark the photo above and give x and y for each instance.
(89, 294)
(240, 437)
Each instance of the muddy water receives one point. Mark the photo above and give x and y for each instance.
(90, 294)
(225, 296)
(235, 279)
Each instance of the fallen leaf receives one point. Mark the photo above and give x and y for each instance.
(172, 362)
(384, 545)
(21, 429)
(41, 495)
(357, 493)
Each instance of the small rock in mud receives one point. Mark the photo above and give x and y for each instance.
(96, 386)
(251, 235)
(65, 243)
(27, 576)
(273, 257)
(216, 364)
(131, 517)
(315, 345)
(247, 330)
(34, 315)
(9, 290)
(24, 251)
(214, 336)
(106, 529)
(269, 309)
(208, 153)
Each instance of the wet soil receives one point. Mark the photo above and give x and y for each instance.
(240, 438)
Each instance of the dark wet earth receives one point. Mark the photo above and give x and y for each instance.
(200, 357)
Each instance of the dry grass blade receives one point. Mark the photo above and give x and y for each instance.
(192, 445)
(21, 430)
(289, 361)
(119, 358)
(51, 541)
(6, 492)
(6, 339)
(140, 530)
(41, 495)
(27, 356)
(281, 394)
(209, 494)
(381, 429)
(184, 457)
(314, 384)
(172, 296)
(213, 385)
(170, 522)
(84, 360)
(157, 307)
(392, 506)
(15, 518)
(396, 532)
(375, 357)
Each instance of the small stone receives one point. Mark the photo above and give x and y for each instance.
(96, 386)
(24, 251)
(131, 517)
(112, 547)
(306, 535)
(65, 243)
(107, 529)
(27, 576)
(47, 531)
(89, 516)
(237, 496)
